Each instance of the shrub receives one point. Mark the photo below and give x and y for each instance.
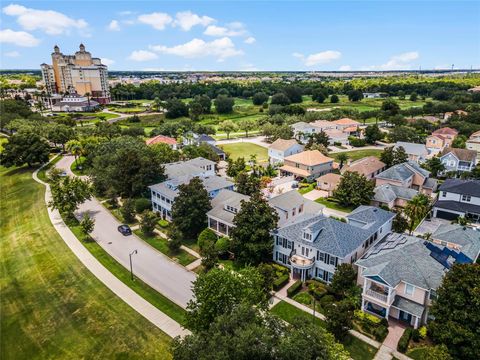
(280, 282)
(292, 290)
(415, 335)
(355, 142)
(142, 204)
(326, 301)
(222, 245)
(303, 298)
(207, 235)
(404, 340)
(128, 211)
(423, 332)
(336, 143)
(163, 223)
(320, 292)
(380, 333)
(148, 221)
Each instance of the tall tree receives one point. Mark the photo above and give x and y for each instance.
(342, 157)
(259, 98)
(24, 147)
(60, 134)
(387, 156)
(176, 108)
(68, 193)
(344, 280)
(224, 104)
(87, 224)
(318, 138)
(417, 209)
(220, 292)
(399, 156)
(235, 167)
(355, 95)
(339, 317)
(390, 107)
(434, 165)
(195, 109)
(252, 241)
(189, 211)
(247, 184)
(457, 312)
(354, 189)
(373, 134)
(246, 125)
(227, 126)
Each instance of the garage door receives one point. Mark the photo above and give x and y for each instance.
(446, 215)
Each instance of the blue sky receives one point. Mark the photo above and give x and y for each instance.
(245, 35)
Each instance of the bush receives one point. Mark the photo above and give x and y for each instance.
(303, 298)
(163, 223)
(326, 301)
(380, 333)
(207, 235)
(128, 211)
(318, 290)
(416, 335)
(355, 142)
(423, 332)
(142, 204)
(336, 143)
(292, 290)
(280, 282)
(404, 340)
(222, 245)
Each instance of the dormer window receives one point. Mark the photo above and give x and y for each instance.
(231, 209)
(307, 236)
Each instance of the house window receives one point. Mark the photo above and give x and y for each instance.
(409, 289)
(466, 198)
(444, 194)
(307, 236)
(297, 165)
(332, 260)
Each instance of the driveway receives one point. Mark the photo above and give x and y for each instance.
(430, 226)
(258, 140)
(315, 194)
(151, 266)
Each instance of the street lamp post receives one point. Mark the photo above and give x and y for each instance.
(131, 267)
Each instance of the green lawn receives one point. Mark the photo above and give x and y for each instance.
(306, 189)
(52, 307)
(3, 140)
(244, 150)
(418, 353)
(358, 349)
(78, 162)
(331, 204)
(42, 174)
(161, 244)
(358, 154)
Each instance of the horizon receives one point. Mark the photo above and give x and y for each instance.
(216, 36)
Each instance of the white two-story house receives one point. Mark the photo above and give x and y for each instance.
(163, 194)
(313, 246)
(456, 198)
(459, 160)
(281, 148)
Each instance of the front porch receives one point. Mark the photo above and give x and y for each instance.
(402, 310)
(219, 227)
(301, 267)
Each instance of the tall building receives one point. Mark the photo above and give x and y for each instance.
(77, 74)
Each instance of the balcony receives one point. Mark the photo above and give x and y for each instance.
(301, 262)
(377, 295)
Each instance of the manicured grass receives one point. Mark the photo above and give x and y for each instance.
(3, 140)
(332, 204)
(235, 135)
(115, 211)
(358, 349)
(418, 353)
(51, 305)
(358, 154)
(42, 174)
(75, 164)
(306, 189)
(161, 244)
(244, 150)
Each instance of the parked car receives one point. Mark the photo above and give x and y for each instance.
(295, 185)
(125, 230)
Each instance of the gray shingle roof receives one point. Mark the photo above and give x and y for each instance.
(200, 161)
(181, 168)
(333, 236)
(457, 206)
(408, 305)
(409, 261)
(464, 187)
(210, 183)
(402, 172)
(386, 193)
(226, 197)
(412, 148)
(467, 238)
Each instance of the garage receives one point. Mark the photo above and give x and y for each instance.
(446, 215)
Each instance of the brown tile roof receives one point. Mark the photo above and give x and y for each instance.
(445, 131)
(461, 154)
(295, 170)
(330, 178)
(309, 157)
(282, 145)
(346, 121)
(365, 166)
(161, 139)
(475, 134)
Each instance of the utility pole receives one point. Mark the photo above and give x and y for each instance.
(131, 267)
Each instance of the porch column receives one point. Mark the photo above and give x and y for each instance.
(388, 296)
(416, 322)
(387, 312)
(364, 285)
(217, 227)
(363, 304)
(228, 228)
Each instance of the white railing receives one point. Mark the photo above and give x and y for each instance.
(377, 295)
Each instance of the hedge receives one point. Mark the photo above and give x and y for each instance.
(292, 290)
(142, 204)
(280, 282)
(404, 340)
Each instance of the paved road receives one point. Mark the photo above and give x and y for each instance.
(258, 140)
(154, 268)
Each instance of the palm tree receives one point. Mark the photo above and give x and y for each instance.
(342, 157)
(87, 94)
(75, 148)
(416, 209)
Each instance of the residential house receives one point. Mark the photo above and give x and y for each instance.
(289, 206)
(449, 114)
(313, 246)
(458, 159)
(323, 125)
(368, 166)
(400, 274)
(376, 95)
(459, 238)
(162, 139)
(328, 183)
(440, 139)
(408, 175)
(348, 126)
(337, 137)
(458, 198)
(308, 164)
(415, 152)
(392, 196)
(191, 138)
(163, 194)
(281, 148)
(302, 131)
(473, 143)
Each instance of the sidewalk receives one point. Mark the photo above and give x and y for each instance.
(139, 304)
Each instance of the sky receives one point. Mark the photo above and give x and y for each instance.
(245, 35)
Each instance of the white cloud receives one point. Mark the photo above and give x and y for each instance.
(157, 20)
(232, 29)
(345, 68)
(108, 61)
(323, 57)
(114, 25)
(220, 48)
(142, 55)
(397, 62)
(186, 20)
(49, 21)
(19, 38)
(12, 54)
(250, 40)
